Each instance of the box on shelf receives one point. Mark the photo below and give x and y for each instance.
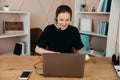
(13, 27)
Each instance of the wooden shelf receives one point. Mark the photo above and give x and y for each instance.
(93, 34)
(8, 54)
(11, 35)
(11, 54)
(19, 12)
(95, 53)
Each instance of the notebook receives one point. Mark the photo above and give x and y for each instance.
(63, 65)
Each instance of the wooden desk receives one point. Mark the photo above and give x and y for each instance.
(97, 68)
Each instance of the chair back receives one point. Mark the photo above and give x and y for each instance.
(35, 34)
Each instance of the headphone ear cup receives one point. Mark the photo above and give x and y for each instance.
(70, 19)
(115, 62)
(114, 59)
(55, 20)
(119, 60)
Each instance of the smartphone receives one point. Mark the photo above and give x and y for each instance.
(25, 75)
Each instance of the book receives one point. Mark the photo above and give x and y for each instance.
(100, 6)
(105, 6)
(19, 48)
(102, 28)
(109, 5)
(86, 24)
(98, 28)
(106, 28)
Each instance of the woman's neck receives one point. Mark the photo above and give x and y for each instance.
(57, 26)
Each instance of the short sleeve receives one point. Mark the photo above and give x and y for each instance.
(77, 40)
(42, 42)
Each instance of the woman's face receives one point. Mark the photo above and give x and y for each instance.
(63, 20)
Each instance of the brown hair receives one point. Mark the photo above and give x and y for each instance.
(62, 9)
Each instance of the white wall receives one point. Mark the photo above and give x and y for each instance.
(42, 11)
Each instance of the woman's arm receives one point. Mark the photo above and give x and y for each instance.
(80, 51)
(40, 50)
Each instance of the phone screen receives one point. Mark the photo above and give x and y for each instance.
(25, 74)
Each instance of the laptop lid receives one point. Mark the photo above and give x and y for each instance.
(63, 65)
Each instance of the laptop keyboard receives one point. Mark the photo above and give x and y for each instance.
(117, 68)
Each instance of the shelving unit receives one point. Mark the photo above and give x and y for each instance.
(100, 16)
(25, 36)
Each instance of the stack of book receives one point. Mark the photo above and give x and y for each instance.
(104, 6)
(102, 28)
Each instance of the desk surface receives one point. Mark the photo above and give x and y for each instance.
(97, 68)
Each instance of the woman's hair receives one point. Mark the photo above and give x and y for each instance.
(63, 9)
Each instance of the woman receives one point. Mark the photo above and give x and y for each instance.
(61, 36)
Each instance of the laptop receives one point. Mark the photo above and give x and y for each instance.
(63, 65)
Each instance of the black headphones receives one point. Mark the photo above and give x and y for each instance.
(55, 19)
(114, 60)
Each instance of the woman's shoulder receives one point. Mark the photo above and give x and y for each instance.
(49, 27)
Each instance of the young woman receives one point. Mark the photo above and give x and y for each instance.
(61, 36)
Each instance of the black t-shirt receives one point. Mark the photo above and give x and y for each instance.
(60, 40)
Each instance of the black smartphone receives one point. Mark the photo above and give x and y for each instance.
(25, 75)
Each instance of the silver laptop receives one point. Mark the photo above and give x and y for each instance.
(63, 65)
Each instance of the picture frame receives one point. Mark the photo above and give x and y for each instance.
(13, 27)
(86, 24)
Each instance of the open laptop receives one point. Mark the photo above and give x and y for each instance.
(63, 65)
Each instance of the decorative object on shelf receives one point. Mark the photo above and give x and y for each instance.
(91, 50)
(82, 7)
(13, 27)
(93, 9)
(6, 7)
